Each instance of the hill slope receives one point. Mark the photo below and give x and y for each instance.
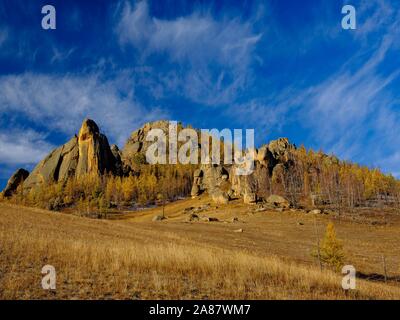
(136, 259)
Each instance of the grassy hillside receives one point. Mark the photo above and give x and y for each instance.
(135, 258)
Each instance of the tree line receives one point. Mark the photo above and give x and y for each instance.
(307, 178)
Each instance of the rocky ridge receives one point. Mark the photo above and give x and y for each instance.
(90, 153)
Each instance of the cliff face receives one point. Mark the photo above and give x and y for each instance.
(89, 152)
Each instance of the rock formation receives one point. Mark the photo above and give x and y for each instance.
(137, 141)
(136, 146)
(278, 201)
(121, 168)
(221, 183)
(95, 155)
(15, 181)
(89, 152)
(215, 180)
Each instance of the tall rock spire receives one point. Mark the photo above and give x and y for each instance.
(89, 152)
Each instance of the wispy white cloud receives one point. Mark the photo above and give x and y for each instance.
(61, 56)
(267, 113)
(214, 55)
(197, 38)
(352, 113)
(61, 102)
(19, 146)
(373, 16)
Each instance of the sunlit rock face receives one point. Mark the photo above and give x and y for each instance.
(87, 153)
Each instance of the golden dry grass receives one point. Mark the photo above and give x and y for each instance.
(97, 259)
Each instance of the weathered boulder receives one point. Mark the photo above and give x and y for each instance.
(87, 153)
(220, 197)
(280, 149)
(253, 186)
(278, 201)
(250, 198)
(214, 179)
(223, 185)
(15, 181)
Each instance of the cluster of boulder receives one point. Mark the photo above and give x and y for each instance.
(90, 152)
(223, 185)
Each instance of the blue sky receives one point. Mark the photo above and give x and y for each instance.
(282, 67)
